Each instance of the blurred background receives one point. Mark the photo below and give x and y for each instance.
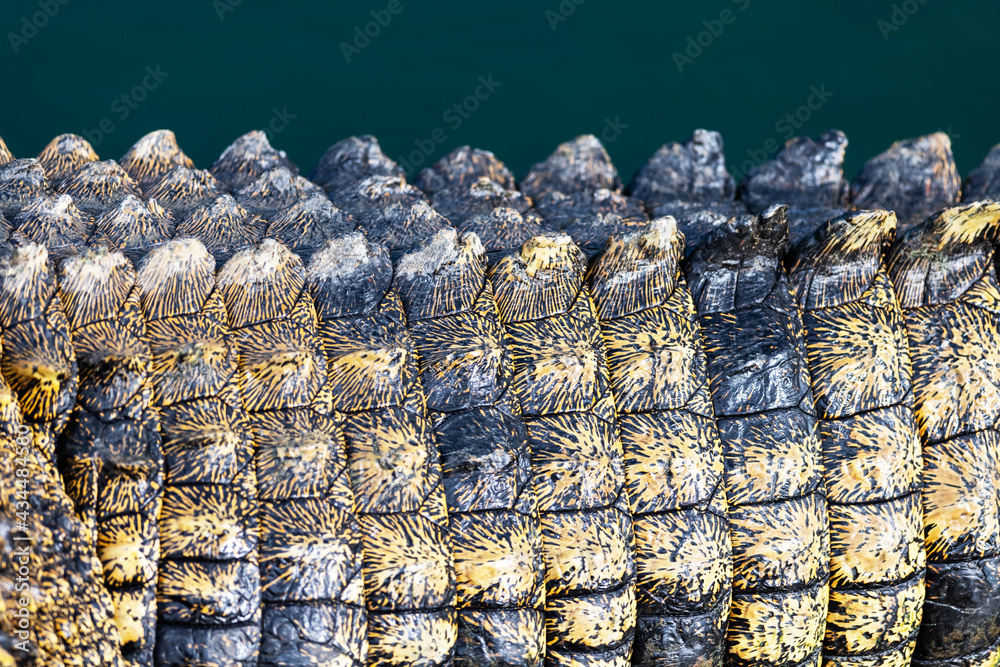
(515, 77)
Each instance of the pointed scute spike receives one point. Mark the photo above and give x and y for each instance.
(442, 275)
(55, 222)
(223, 226)
(150, 158)
(914, 178)
(136, 226)
(98, 186)
(461, 167)
(349, 276)
(636, 271)
(839, 262)
(20, 182)
(691, 172)
(551, 252)
(64, 156)
(984, 181)
(93, 283)
(175, 278)
(966, 223)
(577, 165)
(247, 158)
(274, 191)
(182, 190)
(308, 224)
(27, 282)
(350, 161)
(261, 283)
(446, 246)
(5, 154)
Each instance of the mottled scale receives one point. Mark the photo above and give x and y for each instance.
(943, 271)
(98, 186)
(579, 165)
(312, 588)
(590, 217)
(467, 372)
(246, 159)
(308, 224)
(110, 453)
(72, 618)
(757, 364)
(462, 167)
(350, 161)
(182, 190)
(578, 466)
(64, 156)
(673, 454)
(209, 583)
(393, 464)
(274, 191)
(54, 222)
(38, 360)
(20, 182)
(152, 157)
(135, 226)
(862, 381)
(223, 226)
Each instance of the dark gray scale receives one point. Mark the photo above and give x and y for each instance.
(275, 191)
(390, 211)
(223, 226)
(574, 166)
(690, 183)
(109, 452)
(461, 168)
(674, 465)
(591, 217)
(467, 372)
(757, 361)
(350, 161)
(54, 222)
(308, 224)
(246, 159)
(153, 157)
(72, 617)
(98, 186)
(502, 218)
(375, 387)
(209, 582)
(64, 156)
(945, 275)
(135, 227)
(313, 606)
(806, 175)
(914, 178)
(983, 182)
(182, 190)
(38, 360)
(578, 467)
(862, 381)
(20, 182)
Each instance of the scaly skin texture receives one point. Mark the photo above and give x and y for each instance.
(393, 462)
(64, 156)
(467, 372)
(313, 609)
(943, 271)
(764, 407)
(673, 454)
(689, 182)
(859, 361)
(38, 359)
(208, 590)
(109, 453)
(246, 159)
(561, 381)
(71, 620)
(152, 157)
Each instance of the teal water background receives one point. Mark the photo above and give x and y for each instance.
(880, 71)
